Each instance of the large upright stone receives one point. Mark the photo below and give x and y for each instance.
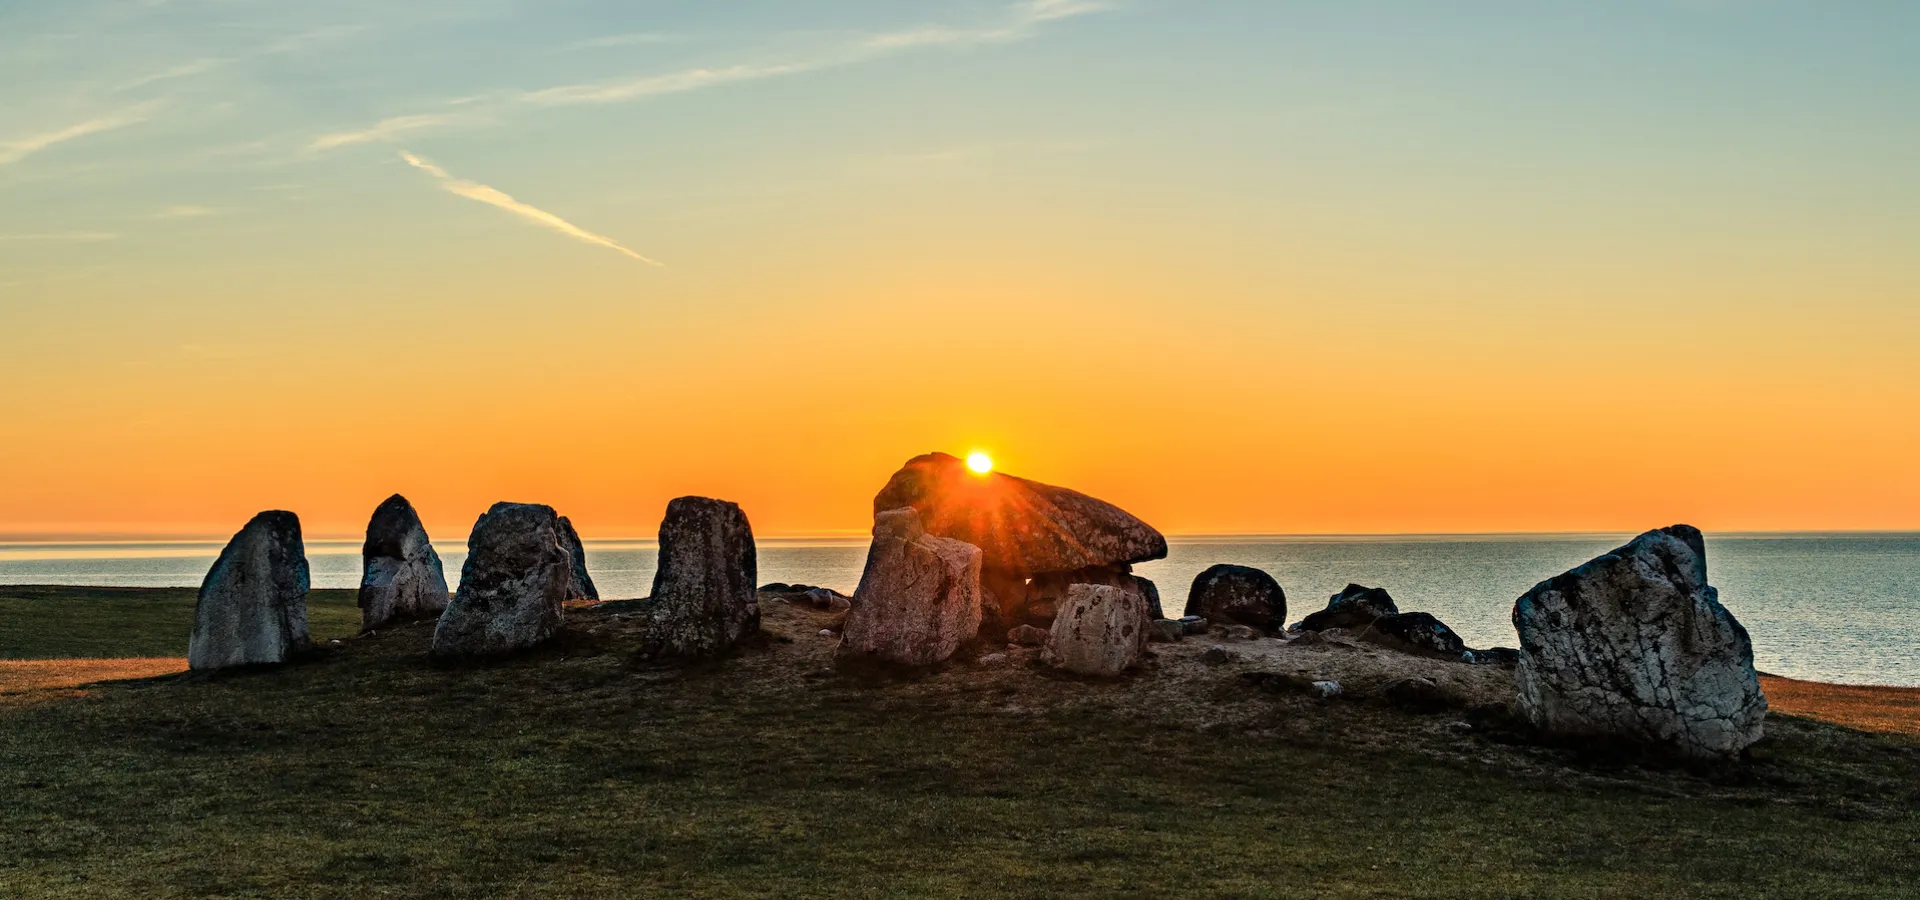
(1022, 527)
(703, 589)
(1239, 595)
(1635, 646)
(579, 583)
(918, 600)
(511, 585)
(400, 575)
(252, 608)
(1100, 630)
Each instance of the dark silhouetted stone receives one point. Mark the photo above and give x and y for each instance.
(1226, 594)
(400, 575)
(579, 583)
(511, 586)
(1355, 608)
(252, 608)
(704, 599)
(1416, 632)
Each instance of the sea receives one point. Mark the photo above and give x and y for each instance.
(1842, 608)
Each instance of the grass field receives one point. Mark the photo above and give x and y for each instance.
(100, 623)
(369, 772)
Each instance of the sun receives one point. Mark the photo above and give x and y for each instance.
(979, 462)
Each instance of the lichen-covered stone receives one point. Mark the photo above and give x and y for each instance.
(1635, 646)
(252, 608)
(511, 585)
(401, 578)
(918, 599)
(579, 583)
(1355, 607)
(1100, 630)
(1228, 594)
(703, 590)
(1022, 527)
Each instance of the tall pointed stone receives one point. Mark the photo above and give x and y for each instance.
(400, 574)
(252, 608)
(703, 589)
(579, 583)
(511, 586)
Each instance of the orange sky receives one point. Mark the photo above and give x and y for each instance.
(1286, 269)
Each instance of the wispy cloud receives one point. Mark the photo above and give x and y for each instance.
(186, 211)
(16, 150)
(383, 130)
(184, 70)
(656, 85)
(63, 237)
(636, 39)
(493, 197)
(1022, 21)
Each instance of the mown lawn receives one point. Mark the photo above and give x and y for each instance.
(368, 772)
(108, 623)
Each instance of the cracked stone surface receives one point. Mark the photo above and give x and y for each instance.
(703, 591)
(252, 608)
(1100, 630)
(401, 578)
(1635, 646)
(511, 585)
(918, 599)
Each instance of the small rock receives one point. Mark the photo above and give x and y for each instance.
(826, 632)
(1241, 632)
(1215, 655)
(993, 659)
(1166, 631)
(1492, 656)
(1325, 690)
(1416, 695)
(1027, 636)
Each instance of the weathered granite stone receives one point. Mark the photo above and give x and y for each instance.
(252, 608)
(1635, 646)
(511, 586)
(400, 575)
(1416, 632)
(579, 583)
(918, 599)
(1354, 607)
(1022, 527)
(704, 599)
(1238, 594)
(1101, 630)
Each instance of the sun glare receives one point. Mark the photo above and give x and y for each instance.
(980, 462)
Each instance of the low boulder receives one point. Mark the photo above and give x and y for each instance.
(1418, 633)
(512, 585)
(401, 578)
(1355, 607)
(1042, 596)
(1101, 630)
(918, 599)
(1418, 695)
(1492, 656)
(1634, 646)
(579, 583)
(1028, 636)
(1228, 594)
(252, 608)
(703, 590)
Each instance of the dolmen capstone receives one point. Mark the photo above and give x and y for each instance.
(252, 608)
(1036, 540)
(703, 590)
(400, 575)
(511, 586)
(1635, 646)
(919, 598)
(1100, 630)
(1238, 595)
(579, 583)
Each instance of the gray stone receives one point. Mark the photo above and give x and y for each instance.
(579, 583)
(1166, 631)
(918, 599)
(1216, 655)
(1354, 607)
(252, 608)
(1492, 656)
(511, 586)
(1635, 646)
(1418, 633)
(1238, 594)
(1027, 636)
(1193, 624)
(400, 575)
(703, 589)
(1326, 690)
(1101, 630)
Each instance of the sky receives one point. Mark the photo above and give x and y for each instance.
(1290, 266)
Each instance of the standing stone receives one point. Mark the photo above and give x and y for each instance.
(511, 585)
(1101, 630)
(1240, 595)
(579, 583)
(400, 575)
(703, 588)
(918, 600)
(1635, 646)
(252, 608)
(1355, 607)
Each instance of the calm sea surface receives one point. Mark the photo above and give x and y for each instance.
(1840, 608)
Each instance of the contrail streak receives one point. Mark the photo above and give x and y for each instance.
(484, 194)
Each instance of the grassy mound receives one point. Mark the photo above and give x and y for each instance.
(369, 772)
